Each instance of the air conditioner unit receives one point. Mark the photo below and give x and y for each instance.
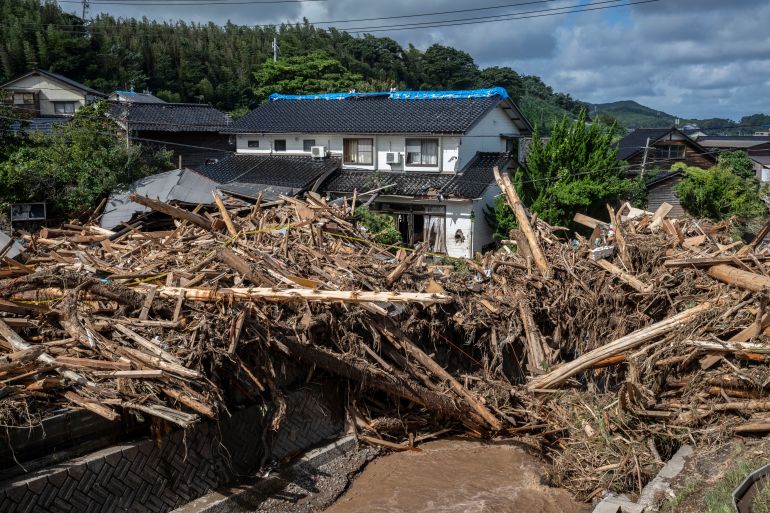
(318, 152)
(392, 157)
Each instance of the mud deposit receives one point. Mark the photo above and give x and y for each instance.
(459, 476)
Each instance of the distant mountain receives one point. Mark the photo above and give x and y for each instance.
(632, 114)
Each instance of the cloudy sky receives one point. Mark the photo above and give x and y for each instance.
(691, 58)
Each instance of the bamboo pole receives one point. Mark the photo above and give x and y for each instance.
(324, 296)
(623, 344)
(521, 216)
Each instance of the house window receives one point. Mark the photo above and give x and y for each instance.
(24, 98)
(358, 151)
(422, 152)
(253, 143)
(279, 145)
(307, 145)
(671, 151)
(64, 107)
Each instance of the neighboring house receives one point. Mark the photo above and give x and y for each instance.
(657, 149)
(192, 131)
(428, 155)
(46, 99)
(757, 147)
(41, 93)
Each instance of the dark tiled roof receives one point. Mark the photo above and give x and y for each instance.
(477, 175)
(367, 114)
(636, 140)
(248, 175)
(469, 183)
(171, 117)
(663, 177)
(345, 181)
(42, 125)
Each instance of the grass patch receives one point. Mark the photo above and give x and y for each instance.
(672, 504)
(719, 499)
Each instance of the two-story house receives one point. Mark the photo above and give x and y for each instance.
(656, 150)
(426, 155)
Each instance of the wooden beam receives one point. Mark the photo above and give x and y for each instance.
(588, 221)
(739, 278)
(175, 212)
(621, 345)
(225, 215)
(521, 216)
(712, 261)
(623, 276)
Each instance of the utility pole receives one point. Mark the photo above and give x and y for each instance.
(644, 158)
(275, 49)
(86, 6)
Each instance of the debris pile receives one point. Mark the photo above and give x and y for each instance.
(607, 351)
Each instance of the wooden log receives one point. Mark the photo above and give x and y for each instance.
(86, 363)
(762, 426)
(91, 405)
(136, 374)
(190, 402)
(623, 276)
(729, 346)
(504, 182)
(146, 344)
(402, 266)
(232, 230)
(536, 357)
(159, 363)
(739, 278)
(18, 344)
(712, 261)
(241, 266)
(175, 212)
(621, 345)
(324, 296)
(428, 362)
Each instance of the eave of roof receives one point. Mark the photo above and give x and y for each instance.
(60, 78)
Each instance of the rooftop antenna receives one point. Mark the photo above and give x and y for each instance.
(86, 6)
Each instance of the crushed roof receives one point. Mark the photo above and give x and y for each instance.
(171, 117)
(272, 175)
(452, 112)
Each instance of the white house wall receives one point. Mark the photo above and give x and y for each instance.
(483, 232)
(486, 135)
(459, 229)
(48, 91)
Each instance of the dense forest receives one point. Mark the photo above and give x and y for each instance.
(217, 64)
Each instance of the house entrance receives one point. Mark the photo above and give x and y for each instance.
(419, 223)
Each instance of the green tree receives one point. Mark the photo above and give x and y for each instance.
(307, 74)
(82, 161)
(382, 227)
(503, 77)
(445, 67)
(718, 193)
(575, 170)
(738, 163)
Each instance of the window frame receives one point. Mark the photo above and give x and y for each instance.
(26, 99)
(423, 153)
(346, 151)
(275, 145)
(57, 104)
(252, 143)
(308, 148)
(665, 151)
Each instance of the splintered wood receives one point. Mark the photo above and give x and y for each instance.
(608, 351)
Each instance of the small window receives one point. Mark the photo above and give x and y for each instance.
(358, 151)
(24, 98)
(279, 145)
(671, 151)
(252, 143)
(64, 107)
(307, 145)
(422, 152)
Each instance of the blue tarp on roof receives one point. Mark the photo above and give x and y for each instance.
(400, 95)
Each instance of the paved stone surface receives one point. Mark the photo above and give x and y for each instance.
(149, 477)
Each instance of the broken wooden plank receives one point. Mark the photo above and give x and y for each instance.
(623, 276)
(91, 405)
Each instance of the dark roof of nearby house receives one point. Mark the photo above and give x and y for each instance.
(636, 140)
(469, 183)
(171, 117)
(732, 141)
(663, 177)
(41, 125)
(453, 112)
(60, 78)
(134, 97)
(272, 175)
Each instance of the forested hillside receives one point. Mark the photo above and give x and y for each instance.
(631, 114)
(210, 63)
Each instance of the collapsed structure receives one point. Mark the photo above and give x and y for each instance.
(606, 352)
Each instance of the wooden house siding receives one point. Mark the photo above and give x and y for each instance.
(663, 192)
(693, 156)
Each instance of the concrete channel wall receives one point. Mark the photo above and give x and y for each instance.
(145, 476)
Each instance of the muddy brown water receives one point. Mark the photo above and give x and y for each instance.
(456, 476)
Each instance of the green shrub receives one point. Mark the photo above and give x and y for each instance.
(382, 227)
(717, 193)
